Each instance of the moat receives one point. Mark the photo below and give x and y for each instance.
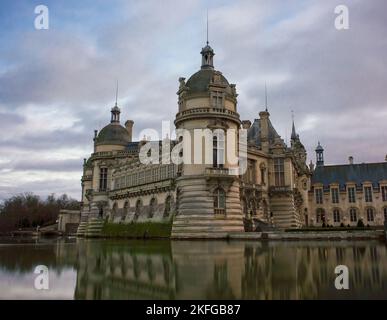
(112, 269)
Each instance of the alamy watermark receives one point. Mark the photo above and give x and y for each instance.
(197, 146)
(41, 282)
(42, 20)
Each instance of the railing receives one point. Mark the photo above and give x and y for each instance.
(219, 211)
(217, 171)
(207, 110)
(280, 189)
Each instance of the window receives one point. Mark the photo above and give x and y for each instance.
(263, 173)
(279, 172)
(141, 177)
(319, 196)
(219, 201)
(336, 215)
(217, 98)
(353, 214)
(103, 179)
(370, 214)
(385, 213)
(320, 215)
(218, 149)
(368, 194)
(335, 195)
(351, 195)
(384, 193)
(250, 171)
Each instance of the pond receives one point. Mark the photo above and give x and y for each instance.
(127, 269)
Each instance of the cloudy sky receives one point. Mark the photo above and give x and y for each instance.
(58, 85)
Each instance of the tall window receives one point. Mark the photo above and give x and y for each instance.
(250, 171)
(384, 193)
(385, 213)
(279, 172)
(336, 215)
(103, 179)
(335, 195)
(370, 214)
(218, 149)
(351, 195)
(319, 196)
(219, 201)
(320, 215)
(368, 194)
(353, 214)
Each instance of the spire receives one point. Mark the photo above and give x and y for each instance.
(116, 93)
(294, 134)
(265, 97)
(207, 54)
(207, 27)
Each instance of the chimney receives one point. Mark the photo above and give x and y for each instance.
(350, 159)
(246, 124)
(129, 128)
(385, 159)
(264, 119)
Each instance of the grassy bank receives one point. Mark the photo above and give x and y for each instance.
(137, 230)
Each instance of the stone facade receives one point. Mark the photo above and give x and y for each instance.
(205, 200)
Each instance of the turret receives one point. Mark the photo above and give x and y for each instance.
(319, 155)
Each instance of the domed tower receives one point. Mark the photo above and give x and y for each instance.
(208, 185)
(113, 136)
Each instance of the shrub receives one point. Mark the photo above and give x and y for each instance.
(360, 223)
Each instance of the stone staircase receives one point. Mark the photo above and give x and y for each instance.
(91, 228)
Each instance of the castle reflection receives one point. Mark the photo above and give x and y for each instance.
(228, 270)
(207, 269)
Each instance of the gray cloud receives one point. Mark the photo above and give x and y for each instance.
(60, 84)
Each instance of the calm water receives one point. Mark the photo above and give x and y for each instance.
(97, 269)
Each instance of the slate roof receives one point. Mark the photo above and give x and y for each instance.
(200, 80)
(358, 173)
(114, 134)
(254, 133)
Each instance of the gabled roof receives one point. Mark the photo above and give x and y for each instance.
(357, 173)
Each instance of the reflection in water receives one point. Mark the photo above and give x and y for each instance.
(204, 269)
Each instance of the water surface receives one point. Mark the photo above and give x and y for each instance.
(106, 269)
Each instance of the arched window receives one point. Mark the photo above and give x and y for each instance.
(219, 201)
(370, 214)
(320, 215)
(353, 214)
(218, 158)
(137, 209)
(385, 213)
(152, 208)
(168, 206)
(336, 215)
(125, 211)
